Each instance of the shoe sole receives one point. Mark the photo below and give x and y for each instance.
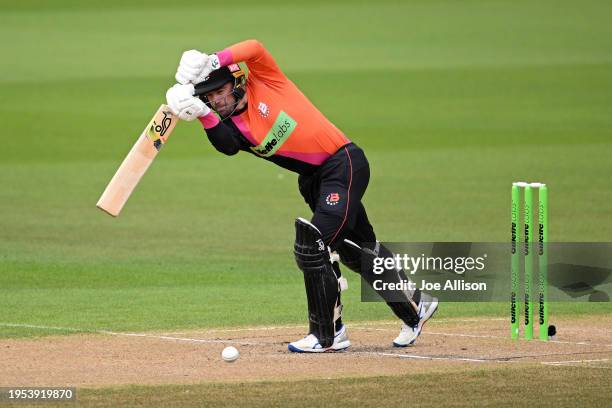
(337, 347)
(427, 316)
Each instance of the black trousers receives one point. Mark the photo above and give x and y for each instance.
(334, 195)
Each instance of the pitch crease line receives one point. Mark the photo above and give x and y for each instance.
(76, 330)
(111, 333)
(189, 340)
(418, 357)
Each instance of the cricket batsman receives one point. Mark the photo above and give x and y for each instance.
(266, 115)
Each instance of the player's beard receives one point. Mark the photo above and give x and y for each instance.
(225, 110)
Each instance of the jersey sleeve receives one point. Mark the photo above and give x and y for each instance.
(258, 59)
(220, 135)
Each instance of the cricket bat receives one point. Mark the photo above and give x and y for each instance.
(137, 161)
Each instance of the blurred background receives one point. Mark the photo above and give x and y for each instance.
(452, 101)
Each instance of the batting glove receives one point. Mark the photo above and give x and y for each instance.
(183, 104)
(195, 67)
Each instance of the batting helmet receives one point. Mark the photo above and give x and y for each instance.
(218, 78)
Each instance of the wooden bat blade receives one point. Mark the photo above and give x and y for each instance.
(138, 160)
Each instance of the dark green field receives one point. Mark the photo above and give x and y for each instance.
(434, 389)
(452, 101)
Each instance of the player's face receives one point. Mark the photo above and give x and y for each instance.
(222, 100)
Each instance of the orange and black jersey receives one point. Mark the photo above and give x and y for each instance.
(227, 139)
(279, 123)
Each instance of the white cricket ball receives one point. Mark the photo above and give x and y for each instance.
(230, 354)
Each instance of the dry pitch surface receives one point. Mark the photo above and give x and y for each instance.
(447, 345)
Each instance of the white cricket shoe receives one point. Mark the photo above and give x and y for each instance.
(408, 335)
(310, 343)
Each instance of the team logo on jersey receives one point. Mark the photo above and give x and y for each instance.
(332, 199)
(263, 109)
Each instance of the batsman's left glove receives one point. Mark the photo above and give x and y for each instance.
(183, 104)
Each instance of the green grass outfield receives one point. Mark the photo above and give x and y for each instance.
(426, 390)
(452, 101)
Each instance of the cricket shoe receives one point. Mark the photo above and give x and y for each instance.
(310, 343)
(408, 334)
